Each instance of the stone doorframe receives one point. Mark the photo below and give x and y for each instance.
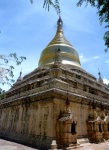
(68, 131)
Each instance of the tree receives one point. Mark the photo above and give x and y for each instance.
(103, 12)
(6, 70)
(101, 5)
(48, 3)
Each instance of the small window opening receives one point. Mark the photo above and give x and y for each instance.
(108, 127)
(100, 128)
(73, 128)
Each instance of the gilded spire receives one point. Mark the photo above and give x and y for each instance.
(59, 24)
(67, 53)
(59, 37)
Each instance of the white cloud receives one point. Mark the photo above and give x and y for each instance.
(107, 61)
(96, 57)
(83, 59)
(106, 81)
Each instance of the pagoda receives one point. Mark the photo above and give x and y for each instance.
(59, 101)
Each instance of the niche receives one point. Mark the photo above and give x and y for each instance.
(108, 127)
(73, 128)
(100, 127)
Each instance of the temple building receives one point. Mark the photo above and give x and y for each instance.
(59, 101)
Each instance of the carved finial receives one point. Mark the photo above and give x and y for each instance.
(57, 56)
(100, 80)
(59, 22)
(67, 100)
(99, 72)
(20, 76)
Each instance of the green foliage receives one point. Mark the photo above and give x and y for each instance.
(101, 5)
(103, 12)
(6, 70)
(55, 4)
(48, 3)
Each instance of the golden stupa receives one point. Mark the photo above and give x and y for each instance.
(67, 53)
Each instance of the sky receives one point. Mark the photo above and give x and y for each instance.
(26, 29)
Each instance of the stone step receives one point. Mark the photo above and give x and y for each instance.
(82, 140)
(73, 147)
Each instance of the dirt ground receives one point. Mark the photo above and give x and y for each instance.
(7, 145)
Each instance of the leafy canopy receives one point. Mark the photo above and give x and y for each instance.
(6, 70)
(103, 12)
(53, 3)
(101, 5)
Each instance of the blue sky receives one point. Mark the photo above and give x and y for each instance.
(26, 30)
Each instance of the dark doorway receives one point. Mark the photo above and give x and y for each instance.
(108, 127)
(73, 128)
(100, 128)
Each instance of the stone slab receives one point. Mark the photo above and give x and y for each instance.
(7, 145)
